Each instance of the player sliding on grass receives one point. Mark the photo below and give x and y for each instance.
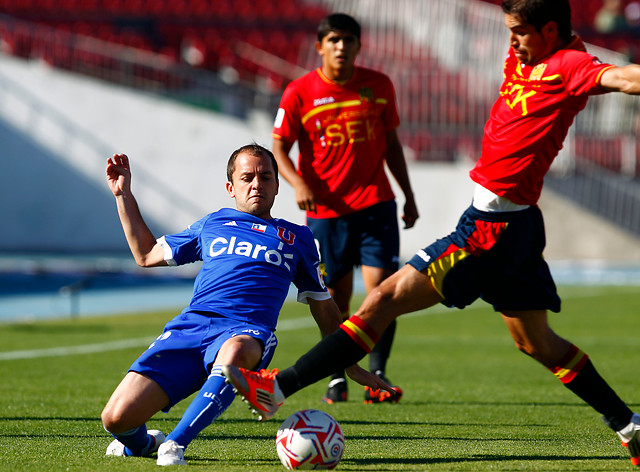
(495, 253)
(249, 260)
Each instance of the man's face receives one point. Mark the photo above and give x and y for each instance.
(339, 50)
(254, 185)
(529, 44)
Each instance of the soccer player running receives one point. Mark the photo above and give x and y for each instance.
(248, 260)
(344, 119)
(495, 253)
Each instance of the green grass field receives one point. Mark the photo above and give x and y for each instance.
(472, 401)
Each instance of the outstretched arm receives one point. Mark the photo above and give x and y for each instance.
(304, 195)
(622, 79)
(398, 168)
(146, 251)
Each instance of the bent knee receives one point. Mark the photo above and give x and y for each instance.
(114, 420)
(526, 348)
(242, 351)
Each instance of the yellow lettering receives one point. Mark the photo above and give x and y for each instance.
(371, 130)
(334, 131)
(353, 129)
(520, 97)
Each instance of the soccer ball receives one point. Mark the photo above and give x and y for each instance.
(310, 439)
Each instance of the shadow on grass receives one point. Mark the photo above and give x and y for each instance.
(359, 463)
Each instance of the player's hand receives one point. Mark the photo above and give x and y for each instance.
(118, 174)
(410, 214)
(364, 377)
(306, 198)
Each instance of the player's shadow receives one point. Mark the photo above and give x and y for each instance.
(359, 464)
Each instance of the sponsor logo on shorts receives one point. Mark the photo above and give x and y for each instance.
(423, 255)
(255, 332)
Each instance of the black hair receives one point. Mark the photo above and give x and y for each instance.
(252, 149)
(338, 22)
(538, 13)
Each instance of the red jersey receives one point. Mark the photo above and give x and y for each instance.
(531, 118)
(341, 133)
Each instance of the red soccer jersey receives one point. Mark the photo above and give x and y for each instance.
(341, 133)
(531, 118)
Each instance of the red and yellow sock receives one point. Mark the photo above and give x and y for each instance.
(570, 365)
(361, 333)
(578, 374)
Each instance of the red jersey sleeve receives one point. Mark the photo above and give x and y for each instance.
(584, 72)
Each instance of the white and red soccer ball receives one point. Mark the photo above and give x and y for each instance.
(310, 439)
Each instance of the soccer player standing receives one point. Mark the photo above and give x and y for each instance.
(344, 119)
(495, 253)
(249, 260)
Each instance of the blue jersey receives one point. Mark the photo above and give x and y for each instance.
(248, 264)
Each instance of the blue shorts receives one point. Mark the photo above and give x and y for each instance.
(180, 358)
(367, 237)
(494, 256)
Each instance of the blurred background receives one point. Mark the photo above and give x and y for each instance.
(179, 84)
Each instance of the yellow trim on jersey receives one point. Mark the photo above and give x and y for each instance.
(364, 337)
(330, 106)
(602, 72)
(333, 106)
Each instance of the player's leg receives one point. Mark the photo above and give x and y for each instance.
(341, 291)
(372, 277)
(444, 272)
(169, 370)
(379, 238)
(136, 399)
(212, 399)
(405, 291)
(334, 238)
(533, 336)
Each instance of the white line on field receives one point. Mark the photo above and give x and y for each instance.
(68, 350)
(284, 325)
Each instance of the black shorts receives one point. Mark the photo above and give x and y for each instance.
(495, 256)
(367, 237)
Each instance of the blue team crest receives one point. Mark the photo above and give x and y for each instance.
(286, 235)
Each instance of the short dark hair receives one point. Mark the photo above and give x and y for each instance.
(538, 13)
(338, 22)
(252, 149)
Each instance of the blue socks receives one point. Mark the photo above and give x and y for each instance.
(212, 400)
(136, 441)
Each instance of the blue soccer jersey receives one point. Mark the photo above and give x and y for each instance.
(248, 264)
